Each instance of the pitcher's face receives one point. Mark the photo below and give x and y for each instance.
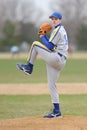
(55, 21)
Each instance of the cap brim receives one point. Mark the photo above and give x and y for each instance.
(52, 16)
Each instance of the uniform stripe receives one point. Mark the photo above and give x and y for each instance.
(38, 44)
(54, 33)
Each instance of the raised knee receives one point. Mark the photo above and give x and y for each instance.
(35, 42)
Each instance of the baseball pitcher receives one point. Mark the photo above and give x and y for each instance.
(53, 51)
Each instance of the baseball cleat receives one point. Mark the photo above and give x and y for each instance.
(25, 68)
(54, 113)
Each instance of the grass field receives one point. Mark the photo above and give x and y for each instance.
(74, 71)
(12, 106)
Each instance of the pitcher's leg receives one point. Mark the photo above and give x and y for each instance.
(43, 52)
(38, 48)
(52, 75)
(52, 78)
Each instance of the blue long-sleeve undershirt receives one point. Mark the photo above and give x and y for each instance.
(46, 42)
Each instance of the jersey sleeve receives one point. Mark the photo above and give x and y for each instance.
(46, 42)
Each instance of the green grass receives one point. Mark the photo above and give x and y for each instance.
(13, 106)
(74, 71)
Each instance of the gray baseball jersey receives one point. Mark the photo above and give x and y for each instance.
(60, 40)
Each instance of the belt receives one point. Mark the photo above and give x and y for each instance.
(61, 55)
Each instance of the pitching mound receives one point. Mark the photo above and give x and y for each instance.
(40, 123)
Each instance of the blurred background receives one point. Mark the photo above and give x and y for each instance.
(20, 19)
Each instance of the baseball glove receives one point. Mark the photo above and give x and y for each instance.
(44, 28)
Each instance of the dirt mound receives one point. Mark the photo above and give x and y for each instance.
(40, 123)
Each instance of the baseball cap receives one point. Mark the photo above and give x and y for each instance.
(56, 15)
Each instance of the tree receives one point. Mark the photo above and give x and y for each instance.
(73, 15)
(9, 34)
(82, 38)
(7, 12)
(13, 29)
(28, 32)
(8, 9)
